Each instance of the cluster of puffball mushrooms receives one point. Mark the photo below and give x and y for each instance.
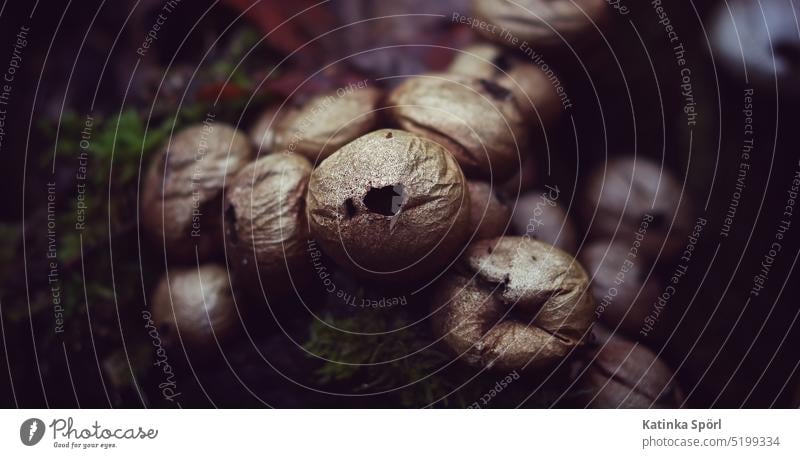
(429, 184)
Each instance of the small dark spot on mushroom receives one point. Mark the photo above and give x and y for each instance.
(502, 62)
(495, 90)
(515, 314)
(349, 208)
(230, 221)
(387, 201)
(389, 135)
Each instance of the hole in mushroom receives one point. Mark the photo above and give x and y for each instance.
(495, 90)
(387, 201)
(230, 220)
(502, 62)
(349, 208)
(522, 315)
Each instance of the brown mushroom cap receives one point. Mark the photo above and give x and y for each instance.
(327, 122)
(624, 191)
(481, 60)
(624, 374)
(514, 303)
(266, 228)
(475, 119)
(619, 278)
(488, 214)
(534, 93)
(537, 214)
(182, 191)
(541, 23)
(390, 205)
(193, 305)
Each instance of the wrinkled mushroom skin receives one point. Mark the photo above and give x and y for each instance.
(542, 23)
(489, 214)
(624, 192)
(629, 301)
(182, 191)
(534, 93)
(476, 120)
(626, 375)
(326, 122)
(513, 304)
(193, 306)
(265, 228)
(539, 216)
(390, 206)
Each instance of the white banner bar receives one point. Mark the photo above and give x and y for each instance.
(400, 433)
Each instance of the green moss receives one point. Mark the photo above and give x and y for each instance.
(424, 376)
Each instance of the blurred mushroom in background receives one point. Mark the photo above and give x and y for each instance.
(489, 214)
(759, 42)
(539, 215)
(628, 198)
(625, 374)
(622, 286)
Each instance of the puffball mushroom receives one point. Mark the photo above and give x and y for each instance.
(390, 205)
(624, 374)
(194, 306)
(326, 122)
(541, 23)
(522, 181)
(534, 93)
(539, 215)
(475, 119)
(629, 194)
(181, 202)
(489, 214)
(511, 304)
(758, 42)
(266, 228)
